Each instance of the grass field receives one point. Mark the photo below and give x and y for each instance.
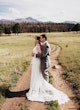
(15, 56)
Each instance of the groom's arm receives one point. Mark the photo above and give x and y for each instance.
(44, 53)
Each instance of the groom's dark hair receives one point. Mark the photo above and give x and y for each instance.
(44, 36)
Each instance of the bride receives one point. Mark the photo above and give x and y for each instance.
(40, 89)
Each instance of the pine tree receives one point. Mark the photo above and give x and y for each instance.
(16, 28)
(7, 30)
(1, 29)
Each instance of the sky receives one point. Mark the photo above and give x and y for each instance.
(43, 10)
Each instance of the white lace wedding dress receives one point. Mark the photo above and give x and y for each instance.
(40, 89)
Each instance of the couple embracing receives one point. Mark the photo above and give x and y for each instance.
(43, 54)
(40, 88)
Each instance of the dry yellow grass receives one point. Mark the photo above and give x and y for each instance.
(69, 57)
(15, 56)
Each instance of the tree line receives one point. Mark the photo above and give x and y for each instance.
(38, 27)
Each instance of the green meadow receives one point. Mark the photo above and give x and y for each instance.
(15, 57)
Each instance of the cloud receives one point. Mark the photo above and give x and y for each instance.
(14, 11)
(1, 17)
(62, 12)
(51, 10)
(10, 13)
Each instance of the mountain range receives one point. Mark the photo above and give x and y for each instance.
(19, 20)
(29, 20)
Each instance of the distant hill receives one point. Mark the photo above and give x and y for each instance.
(30, 20)
(4, 21)
(71, 22)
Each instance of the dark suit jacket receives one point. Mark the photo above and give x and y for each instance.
(43, 57)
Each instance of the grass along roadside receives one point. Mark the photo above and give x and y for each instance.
(52, 105)
(10, 74)
(69, 58)
(15, 56)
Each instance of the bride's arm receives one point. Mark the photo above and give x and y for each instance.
(38, 48)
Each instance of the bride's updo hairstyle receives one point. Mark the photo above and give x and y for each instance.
(38, 38)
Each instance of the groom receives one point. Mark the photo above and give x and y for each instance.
(44, 56)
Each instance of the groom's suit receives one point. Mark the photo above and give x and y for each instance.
(44, 59)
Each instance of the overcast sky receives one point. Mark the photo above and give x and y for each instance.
(45, 10)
